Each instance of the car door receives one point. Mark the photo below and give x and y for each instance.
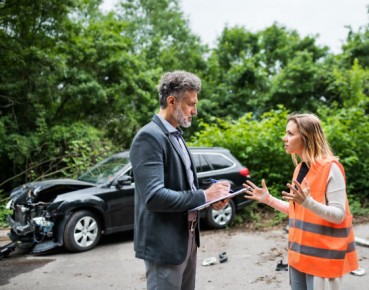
(120, 203)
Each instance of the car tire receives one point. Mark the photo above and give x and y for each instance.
(220, 219)
(82, 231)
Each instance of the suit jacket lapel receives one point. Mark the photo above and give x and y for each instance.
(171, 138)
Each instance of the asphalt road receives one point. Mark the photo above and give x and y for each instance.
(252, 260)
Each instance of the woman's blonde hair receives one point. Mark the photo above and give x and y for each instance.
(316, 146)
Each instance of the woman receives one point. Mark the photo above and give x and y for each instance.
(321, 246)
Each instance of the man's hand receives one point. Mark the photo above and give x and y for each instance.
(217, 190)
(220, 204)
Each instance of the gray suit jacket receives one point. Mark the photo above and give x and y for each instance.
(163, 196)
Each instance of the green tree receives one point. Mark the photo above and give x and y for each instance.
(257, 71)
(235, 82)
(162, 35)
(35, 86)
(296, 85)
(356, 47)
(105, 82)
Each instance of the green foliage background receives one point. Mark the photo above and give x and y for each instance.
(77, 84)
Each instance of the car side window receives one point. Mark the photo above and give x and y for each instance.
(218, 161)
(200, 163)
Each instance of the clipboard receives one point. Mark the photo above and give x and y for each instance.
(205, 205)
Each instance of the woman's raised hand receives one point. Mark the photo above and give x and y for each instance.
(256, 193)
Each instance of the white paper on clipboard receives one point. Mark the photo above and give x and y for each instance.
(205, 205)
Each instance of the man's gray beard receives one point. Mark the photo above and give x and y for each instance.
(181, 118)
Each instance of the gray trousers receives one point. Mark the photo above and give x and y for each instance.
(174, 277)
(302, 281)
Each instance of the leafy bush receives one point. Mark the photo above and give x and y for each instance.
(3, 212)
(256, 143)
(348, 133)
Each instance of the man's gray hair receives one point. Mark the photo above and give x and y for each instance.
(175, 84)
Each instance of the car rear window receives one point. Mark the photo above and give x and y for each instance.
(211, 161)
(218, 161)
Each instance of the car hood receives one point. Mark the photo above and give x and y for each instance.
(47, 190)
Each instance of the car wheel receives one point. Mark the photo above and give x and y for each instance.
(82, 231)
(220, 219)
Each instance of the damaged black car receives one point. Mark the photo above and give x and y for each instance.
(75, 213)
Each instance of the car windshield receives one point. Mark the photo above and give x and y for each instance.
(104, 171)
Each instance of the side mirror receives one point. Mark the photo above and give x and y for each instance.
(124, 180)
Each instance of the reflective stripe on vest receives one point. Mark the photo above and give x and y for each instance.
(321, 253)
(319, 229)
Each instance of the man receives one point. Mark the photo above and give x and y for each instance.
(165, 235)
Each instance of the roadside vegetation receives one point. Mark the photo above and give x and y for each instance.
(77, 84)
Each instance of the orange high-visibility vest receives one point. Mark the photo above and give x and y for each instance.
(316, 246)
